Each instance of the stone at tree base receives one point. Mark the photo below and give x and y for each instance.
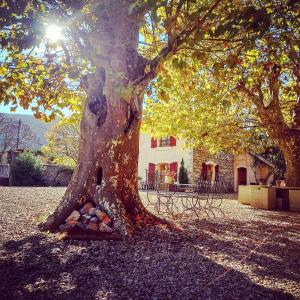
(92, 211)
(92, 226)
(61, 227)
(99, 213)
(105, 228)
(86, 218)
(94, 220)
(106, 220)
(86, 208)
(75, 215)
(71, 225)
(103, 217)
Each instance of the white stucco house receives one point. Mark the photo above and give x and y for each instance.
(163, 155)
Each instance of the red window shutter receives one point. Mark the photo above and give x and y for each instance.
(151, 169)
(153, 143)
(173, 169)
(172, 141)
(151, 174)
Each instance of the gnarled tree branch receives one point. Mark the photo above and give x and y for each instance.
(173, 45)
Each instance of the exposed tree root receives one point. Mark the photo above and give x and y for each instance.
(125, 222)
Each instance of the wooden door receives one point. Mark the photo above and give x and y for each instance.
(242, 176)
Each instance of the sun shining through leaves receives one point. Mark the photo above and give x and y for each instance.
(54, 32)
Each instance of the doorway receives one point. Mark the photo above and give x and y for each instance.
(242, 176)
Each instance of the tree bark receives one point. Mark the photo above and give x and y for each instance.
(287, 137)
(110, 126)
(288, 140)
(290, 147)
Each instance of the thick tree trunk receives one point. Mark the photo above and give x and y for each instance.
(113, 153)
(286, 136)
(110, 125)
(288, 140)
(290, 146)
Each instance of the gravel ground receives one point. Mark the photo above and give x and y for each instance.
(247, 254)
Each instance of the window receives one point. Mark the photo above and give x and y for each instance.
(210, 172)
(165, 141)
(168, 141)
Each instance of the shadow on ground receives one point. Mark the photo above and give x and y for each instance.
(155, 264)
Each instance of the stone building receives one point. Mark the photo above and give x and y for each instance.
(251, 168)
(212, 167)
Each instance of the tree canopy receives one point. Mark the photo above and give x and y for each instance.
(214, 60)
(45, 75)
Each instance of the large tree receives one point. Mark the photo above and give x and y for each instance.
(116, 47)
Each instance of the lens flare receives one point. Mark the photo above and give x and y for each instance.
(54, 32)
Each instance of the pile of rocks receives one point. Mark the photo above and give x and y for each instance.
(88, 218)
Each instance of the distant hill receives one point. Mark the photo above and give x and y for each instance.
(38, 127)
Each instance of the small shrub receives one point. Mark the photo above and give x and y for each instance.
(183, 176)
(27, 170)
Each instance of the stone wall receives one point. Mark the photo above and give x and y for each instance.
(55, 175)
(222, 159)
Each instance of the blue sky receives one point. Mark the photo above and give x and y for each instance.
(6, 109)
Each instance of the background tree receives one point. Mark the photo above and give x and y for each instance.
(102, 48)
(15, 134)
(62, 146)
(275, 155)
(183, 175)
(233, 96)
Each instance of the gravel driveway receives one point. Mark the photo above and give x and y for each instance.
(248, 254)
